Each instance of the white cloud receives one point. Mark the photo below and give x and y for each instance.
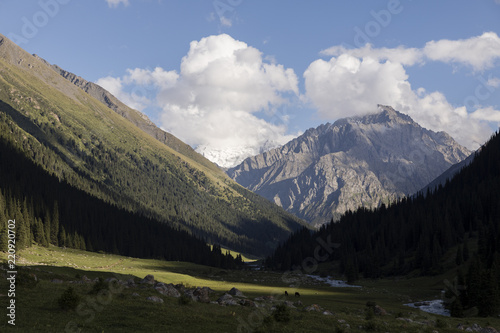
(354, 81)
(116, 3)
(347, 86)
(402, 55)
(212, 102)
(488, 114)
(133, 89)
(479, 52)
(222, 83)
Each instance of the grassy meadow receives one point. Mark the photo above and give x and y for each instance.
(127, 310)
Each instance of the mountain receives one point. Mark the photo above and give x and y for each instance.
(81, 134)
(448, 174)
(455, 229)
(358, 161)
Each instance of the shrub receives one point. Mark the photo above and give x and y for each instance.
(69, 299)
(98, 286)
(370, 314)
(371, 304)
(282, 313)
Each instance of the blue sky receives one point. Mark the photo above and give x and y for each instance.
(235, 77)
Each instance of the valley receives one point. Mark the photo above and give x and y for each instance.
(57, 269)
(128, 202)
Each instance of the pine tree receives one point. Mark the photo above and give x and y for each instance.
(46, 227)
(3, 225)
(40, 233)
(63, 241)
(54, 225)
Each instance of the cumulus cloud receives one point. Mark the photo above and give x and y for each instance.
(489, 114)
(347, 86)
(216, 102)
(134, 88)
(116, 3)
(222, 84)
(400, 54)
(354, 81)
(479, 52)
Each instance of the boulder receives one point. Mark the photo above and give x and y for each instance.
(247, 302)
(85, 279)
(236, 292)
(148, 279)
(154, 299)
(227, 299)
(313, 307)
(379, 311)
(203, 294)
(180, 287)
(56, 281)
(167, 290)
(488, 329)
(190, 294)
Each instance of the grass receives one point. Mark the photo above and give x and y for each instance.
(120, 311)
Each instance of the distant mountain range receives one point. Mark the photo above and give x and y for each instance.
(80, 133)
(354, 162)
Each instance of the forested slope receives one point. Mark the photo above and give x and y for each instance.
(415, 233)
(79, 140)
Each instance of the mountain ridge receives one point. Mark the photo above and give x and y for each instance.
(79, 139)
(357, 161)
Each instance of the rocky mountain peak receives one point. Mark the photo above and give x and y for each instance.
(357, 161)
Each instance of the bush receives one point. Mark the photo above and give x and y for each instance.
(371, 304)
(98, 286)
(282, 313)
(370, 314)
(69, 299)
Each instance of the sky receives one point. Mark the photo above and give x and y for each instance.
(234, 78)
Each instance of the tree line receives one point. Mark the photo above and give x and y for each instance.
(48, 210)
(417, 234)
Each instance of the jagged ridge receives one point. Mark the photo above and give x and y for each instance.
(358, 161)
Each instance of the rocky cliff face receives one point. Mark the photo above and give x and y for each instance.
(359, 161)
